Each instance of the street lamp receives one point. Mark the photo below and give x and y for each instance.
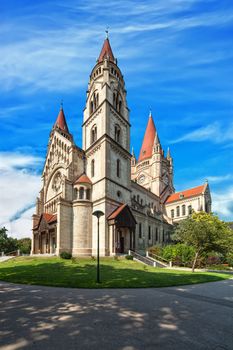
(98, 214)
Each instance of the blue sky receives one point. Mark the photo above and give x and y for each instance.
(177, 60)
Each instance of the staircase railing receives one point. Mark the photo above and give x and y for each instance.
(159, 259)
(143, 259)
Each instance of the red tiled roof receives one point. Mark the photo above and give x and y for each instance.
(49, 217)
(61, 121)
(186, 194)
(116, 212)
(106, 52)
(148, 141)
(83, 179)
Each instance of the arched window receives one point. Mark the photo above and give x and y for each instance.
(119, 106)
(183, 209)
(178, 211)
(81, 193)
(118, 168)
(140, 230)
(156, 234)
(75, 193)
(114, 100)
(189, 210)
(117, 133)
(88, 193)
(172, 213)
(91, 107)
(93, 134)
(93, 168)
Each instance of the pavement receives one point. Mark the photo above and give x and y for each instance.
(5, 258)
(192, 317)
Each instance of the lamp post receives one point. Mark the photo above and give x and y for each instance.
(98, 214)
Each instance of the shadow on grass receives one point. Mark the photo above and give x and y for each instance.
(113, 274)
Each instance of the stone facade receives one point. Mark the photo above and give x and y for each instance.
(135, 196)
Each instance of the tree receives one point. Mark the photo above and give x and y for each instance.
(204, 232)
(24, 245)
(7, 244)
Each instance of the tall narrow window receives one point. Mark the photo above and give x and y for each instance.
(149, 233)
(117, 133)
(189, 209)
(140, 230)
(156, 234)
(178, 211)
(88, 193)
(183, 209)
(172, 213)
(93, 168)
(93, 134)
(81, 193)
(118, 168)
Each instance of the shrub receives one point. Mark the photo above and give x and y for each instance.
(129, 257)
(65, 255)
(155, 249)
(229, 259)
(179, 254)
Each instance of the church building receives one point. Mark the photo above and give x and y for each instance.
(137, 196)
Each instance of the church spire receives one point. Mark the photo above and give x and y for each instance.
(168, 153)
(61, 120)
(106, 51)
(148, 141)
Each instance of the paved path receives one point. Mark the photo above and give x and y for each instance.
(5, 258)
(198, 317)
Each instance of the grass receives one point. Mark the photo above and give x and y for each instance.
(81, 273)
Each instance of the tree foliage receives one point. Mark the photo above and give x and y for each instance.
(9, 244)
(205, 232)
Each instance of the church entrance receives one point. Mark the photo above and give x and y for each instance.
(122, 245)
(122, 226)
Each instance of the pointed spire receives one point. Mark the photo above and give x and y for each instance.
(133, 154)
(61, 120)
(148, 141)
(106, 51)
(168, 153)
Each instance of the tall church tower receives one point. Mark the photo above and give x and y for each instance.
(153, 170)
(106, 140)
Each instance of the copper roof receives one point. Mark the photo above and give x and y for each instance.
(106, 52)
(192, 192)
(148, 141)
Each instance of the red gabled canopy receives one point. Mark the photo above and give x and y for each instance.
(61, 121)
(106, 52)
(148, 141)
(192, 192)
(83, 179)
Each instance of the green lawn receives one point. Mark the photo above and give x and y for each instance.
(120, 273)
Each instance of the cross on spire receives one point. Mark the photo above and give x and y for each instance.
(107, 32)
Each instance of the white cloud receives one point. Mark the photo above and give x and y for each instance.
(223, 203)
(19, 186)
(212, 132)
(219, 179)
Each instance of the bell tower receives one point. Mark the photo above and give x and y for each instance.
(106, 139)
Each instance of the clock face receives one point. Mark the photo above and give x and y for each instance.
(57, 182)
(141, 179)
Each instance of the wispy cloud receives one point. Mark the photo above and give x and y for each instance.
(19, 185)
(212, 132)
(223, 203)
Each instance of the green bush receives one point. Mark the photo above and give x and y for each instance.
(179, 254)
(129, 257)
(155, 249)
(65, 255)
(229, 259)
